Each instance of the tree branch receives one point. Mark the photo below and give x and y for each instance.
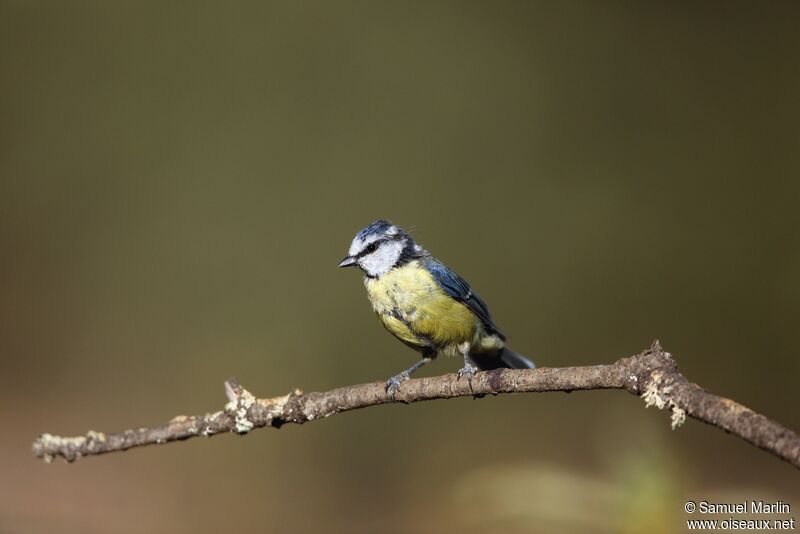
(652, 375)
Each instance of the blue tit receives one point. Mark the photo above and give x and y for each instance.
(426, 305)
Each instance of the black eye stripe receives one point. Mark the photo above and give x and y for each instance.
(372, 247)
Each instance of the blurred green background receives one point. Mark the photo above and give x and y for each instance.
(179, 179)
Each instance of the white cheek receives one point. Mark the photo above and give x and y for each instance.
(382, 260)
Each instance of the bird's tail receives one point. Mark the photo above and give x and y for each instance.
(505, 358)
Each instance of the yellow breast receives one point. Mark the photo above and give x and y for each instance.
(413, 307)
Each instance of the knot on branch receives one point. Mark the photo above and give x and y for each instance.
(653, 375)
(275, 411)
(639, 368)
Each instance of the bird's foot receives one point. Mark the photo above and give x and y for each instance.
(468, 371)
(393, 384)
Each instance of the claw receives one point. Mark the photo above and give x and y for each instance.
(393, 384)
(468, 371)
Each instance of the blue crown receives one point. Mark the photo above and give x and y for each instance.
(378, 227)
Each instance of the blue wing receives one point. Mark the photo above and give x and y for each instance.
(459, 289)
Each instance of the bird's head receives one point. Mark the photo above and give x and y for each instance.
(379, 248)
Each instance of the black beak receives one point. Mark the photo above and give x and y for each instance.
(349, 261)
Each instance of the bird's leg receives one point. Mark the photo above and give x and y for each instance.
(393, 384)
(468, 370)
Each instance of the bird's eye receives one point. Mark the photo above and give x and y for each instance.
(371, 248)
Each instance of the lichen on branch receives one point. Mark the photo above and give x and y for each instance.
(652, 375)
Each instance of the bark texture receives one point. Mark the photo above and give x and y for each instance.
(652, 375)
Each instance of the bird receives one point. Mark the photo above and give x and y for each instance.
(426, 305)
